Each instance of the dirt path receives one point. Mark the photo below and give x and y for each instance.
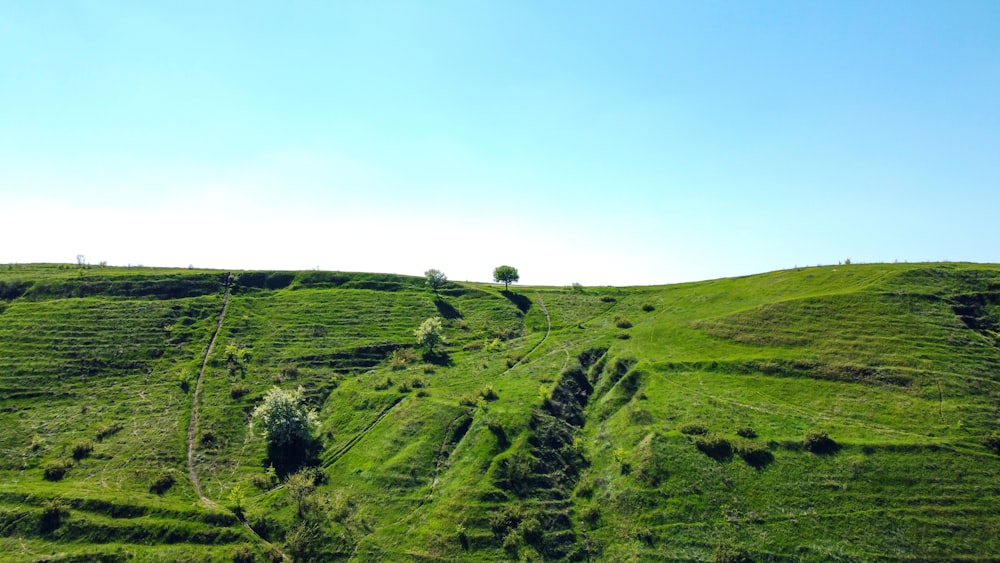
(193, 425)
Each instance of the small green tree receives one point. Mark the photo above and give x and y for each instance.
(300, 485)
(507, 275)
(285, 418)
(435, 279)
(430, 333)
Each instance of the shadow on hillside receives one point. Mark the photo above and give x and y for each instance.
(519, 301)
(289, 458)
(438, 358)
(446, 309)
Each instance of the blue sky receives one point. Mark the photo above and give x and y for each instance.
(594, 142)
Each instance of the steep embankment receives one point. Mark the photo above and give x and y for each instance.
(812, 414)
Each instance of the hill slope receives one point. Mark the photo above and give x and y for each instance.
(815, 414)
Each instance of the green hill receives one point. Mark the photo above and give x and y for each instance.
(836, 413)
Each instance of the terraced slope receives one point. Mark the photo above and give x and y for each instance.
(837, 413)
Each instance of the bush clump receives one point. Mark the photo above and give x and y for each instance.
(54, 510)
(162, 483)
(608, 299)
(993, 442)
(109, 429)
(621, 321)
(714, 446)
(488, 393)
(754, 453)
(56, 470)
(648, 308)
(746, 432)
(694, 429)
(401, 357)
(239, 390)
(82, 449)
(729, 554)
(819, 442)
(244, 554)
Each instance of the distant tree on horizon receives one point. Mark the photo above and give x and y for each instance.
(507, 275)
(435, 279)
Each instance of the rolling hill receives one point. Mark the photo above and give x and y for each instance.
(833, 413)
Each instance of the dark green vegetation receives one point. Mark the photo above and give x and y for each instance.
(837, 413)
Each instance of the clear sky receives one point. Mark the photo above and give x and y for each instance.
(594, 142)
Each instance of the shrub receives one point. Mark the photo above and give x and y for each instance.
(401, 357)
(290, 370)
(489, 393)
(82, 449)
(163, 482)
(54, 510)
(993, 442)
(645, 535)
(244, 554)
(754, 454)
(729, 554)
(208, 439)
(648, 308)
(714, 446)
(514, 471)
(746, 432)
(621, 457)
(530, 529)
(818, 442)
(239, 390)
(608, 299)
(109, 429)
(503, 521)
(621, 321)
(591, 514)
(513, 541)
(694, 428)
(56, 470)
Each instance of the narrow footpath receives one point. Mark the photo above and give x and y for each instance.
(193, 428)
(193, 425)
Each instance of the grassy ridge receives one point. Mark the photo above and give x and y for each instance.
(650, 423)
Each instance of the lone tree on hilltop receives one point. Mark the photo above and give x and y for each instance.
(435, 279)
(505, 274)
(430, 333)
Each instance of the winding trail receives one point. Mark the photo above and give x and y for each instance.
(193, 425)
(193, 428)
(548, 331)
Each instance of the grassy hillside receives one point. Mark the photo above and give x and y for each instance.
(835, 413)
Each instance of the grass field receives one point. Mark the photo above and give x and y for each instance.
(830, 413)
